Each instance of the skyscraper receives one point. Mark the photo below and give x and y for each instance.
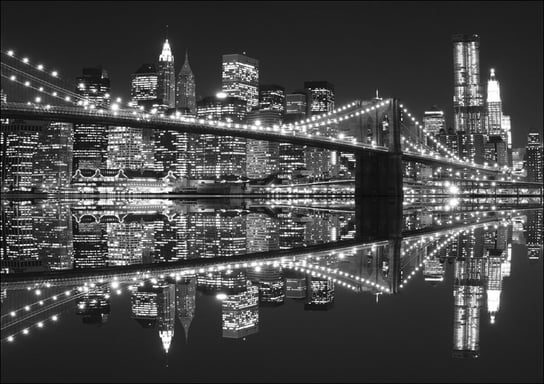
(494, 106)
(434, 121)
(225, 155)
(262, 157)
(240, 78)
(467, 90)
(534, 155)
(296, 107)
(186, 88)
(496, 123)
(94, 86)
(53, 160)
(143, 89)
(321, 97)
(18, 148)
(166, 77)
(272, 98)
(90, 140)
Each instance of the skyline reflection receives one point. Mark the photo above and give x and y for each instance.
(476, 254)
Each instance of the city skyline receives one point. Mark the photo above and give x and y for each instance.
(351, 72)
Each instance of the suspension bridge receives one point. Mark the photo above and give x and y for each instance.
(381, 133)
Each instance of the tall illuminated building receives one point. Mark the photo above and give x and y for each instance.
(225, 155)
(240, 78)
(262, 157)
(272, 98)
(166, 82)
(94, 86)
(144, 86)
(321, 97)
(291, 155)
(496, 150)
(53, 161)
(240, 313)
(534, 155)
(296, 106)
(18, 248)
(467, 90)
(186, 88)
(518, 162)
(19, 146)
(493, 106)
(126, 148)
(496, 123)
(172, 152)
(506, 126)
(434, 121)
(319, 161)
(90, 140)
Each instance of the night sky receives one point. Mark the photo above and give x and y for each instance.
(402, 48)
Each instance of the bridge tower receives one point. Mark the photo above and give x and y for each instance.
(378, 184)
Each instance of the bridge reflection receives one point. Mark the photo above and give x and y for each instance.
(161, 294)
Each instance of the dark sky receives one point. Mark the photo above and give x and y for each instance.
(402, 48)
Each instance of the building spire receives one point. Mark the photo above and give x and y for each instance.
(166, 54)
(186, 68)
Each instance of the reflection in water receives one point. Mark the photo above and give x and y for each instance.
(477, 254)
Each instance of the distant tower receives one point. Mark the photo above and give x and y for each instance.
(467, 90)
(185, 88)
(167, 77)
(494, 105)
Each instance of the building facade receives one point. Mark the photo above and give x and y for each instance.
(467, 89)
(186, 89)
(144, 86)
(240, 79)
(534, 155)
(166, 87)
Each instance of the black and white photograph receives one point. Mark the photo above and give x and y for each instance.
(271, 191)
